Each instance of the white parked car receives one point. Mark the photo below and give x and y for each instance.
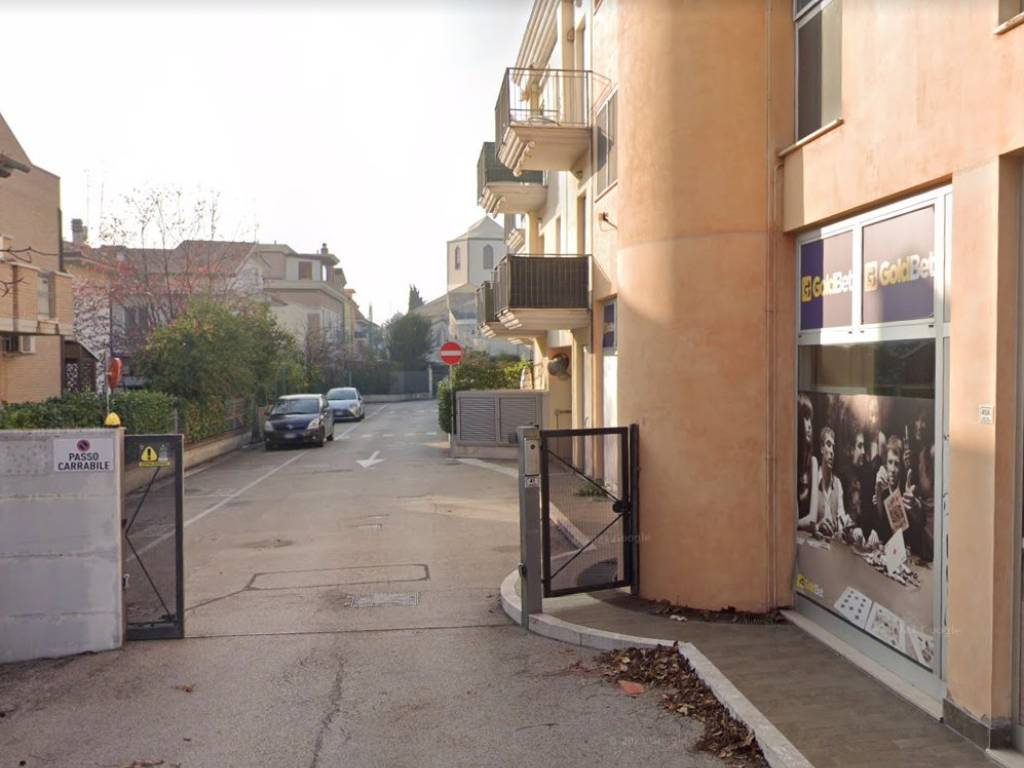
(346, 403)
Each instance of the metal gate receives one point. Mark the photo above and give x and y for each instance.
(154, 593)
(589, 509)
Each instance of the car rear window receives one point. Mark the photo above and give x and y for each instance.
(289, 407)
(343, 393)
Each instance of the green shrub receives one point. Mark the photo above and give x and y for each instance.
(204, 420)
(476, 372)
(141, 412)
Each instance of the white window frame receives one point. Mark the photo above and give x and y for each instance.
(598, 189)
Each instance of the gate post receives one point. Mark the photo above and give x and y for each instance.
(529, 523)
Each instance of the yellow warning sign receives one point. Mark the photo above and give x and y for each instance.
(151, 458)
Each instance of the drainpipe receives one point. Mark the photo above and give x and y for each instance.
(60, 238)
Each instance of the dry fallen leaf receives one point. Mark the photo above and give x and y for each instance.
(633, 689)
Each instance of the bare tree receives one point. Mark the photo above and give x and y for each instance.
(158, 253)
(165, 252)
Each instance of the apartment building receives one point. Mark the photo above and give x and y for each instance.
(36, 306)
(122, 293)
(784, 238)
(308, 293)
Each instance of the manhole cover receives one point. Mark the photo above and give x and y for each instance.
(385, 600)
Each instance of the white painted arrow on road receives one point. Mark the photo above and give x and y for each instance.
(367, 463)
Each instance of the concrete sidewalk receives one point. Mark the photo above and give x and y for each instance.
(836, 715)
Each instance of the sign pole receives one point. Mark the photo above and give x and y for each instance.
(451, 355)
(451, 391)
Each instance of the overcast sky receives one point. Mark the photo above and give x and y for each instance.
(357, 124)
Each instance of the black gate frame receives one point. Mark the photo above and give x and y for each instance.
(165, 630)
(627, 508)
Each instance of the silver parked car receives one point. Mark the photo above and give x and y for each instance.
(347, 403)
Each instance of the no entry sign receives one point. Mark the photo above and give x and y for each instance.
(451, 353)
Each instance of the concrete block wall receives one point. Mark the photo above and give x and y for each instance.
(60, 548)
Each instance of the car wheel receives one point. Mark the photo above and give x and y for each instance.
(330, 437)
(321, 439)
(268, 447)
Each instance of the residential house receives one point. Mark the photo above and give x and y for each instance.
(124, 292)
(810, 272)
(36, 305)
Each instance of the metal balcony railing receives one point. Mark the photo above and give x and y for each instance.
(555, 97)
(538, 282)
(489, 170)
(485, 303)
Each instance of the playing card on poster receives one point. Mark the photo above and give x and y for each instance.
(924, 646)
(887, 627)
(895, 512)
(854, 606)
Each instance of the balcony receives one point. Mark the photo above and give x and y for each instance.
(498, 190)
(542, 119)
(535, 294)
(515, 232)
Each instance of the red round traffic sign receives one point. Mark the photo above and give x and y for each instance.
(451, 353)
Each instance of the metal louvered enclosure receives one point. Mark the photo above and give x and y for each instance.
(490, 417)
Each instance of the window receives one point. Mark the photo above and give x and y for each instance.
(819, 35)
(606, 163)
(458, 258)
(608, 340)
(44, 293)
(488, 257)
(1010, 8)
(305, 270)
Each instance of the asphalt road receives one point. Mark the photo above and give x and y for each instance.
(340, 614)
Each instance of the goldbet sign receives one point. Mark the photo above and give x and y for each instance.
(816, 287)
(826, 282)
(905, 270)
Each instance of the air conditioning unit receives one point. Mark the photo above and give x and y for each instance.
(27, 345)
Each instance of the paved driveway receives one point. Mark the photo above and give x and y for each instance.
(339, 615)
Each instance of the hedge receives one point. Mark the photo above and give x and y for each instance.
(141, 412)
(475, 374)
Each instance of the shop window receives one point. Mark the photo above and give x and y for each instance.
(608, 330)
(890, 368)
(607, 156)
(818, 63)
(898, 268)
(866, 489)
(826, 282)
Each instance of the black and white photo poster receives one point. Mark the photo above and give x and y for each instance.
(866, 514)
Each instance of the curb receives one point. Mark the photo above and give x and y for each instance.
(778, 750)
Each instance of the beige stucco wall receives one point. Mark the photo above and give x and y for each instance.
(915, 110)
(30, 217)
(917, 114)
(693, 286)
(983, 458)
